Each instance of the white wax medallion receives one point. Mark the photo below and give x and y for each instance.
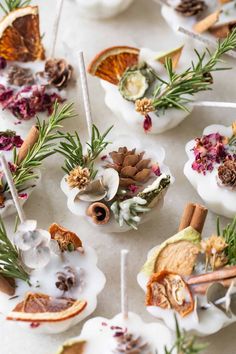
(126, 333)
(30, 83)
(115, 186)
(101, 9)
(193, 277)
(49, 280)
(212, 18)
(211, 168)
(154, 92)
(25, 157)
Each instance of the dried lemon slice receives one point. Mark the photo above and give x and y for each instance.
(111, 63)
(38, 307)
(20, 38)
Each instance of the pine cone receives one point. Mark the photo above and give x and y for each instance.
(227, 173)
(190, 8)
(128, 344)
(67, 279)
(58, 72)
(132, 168)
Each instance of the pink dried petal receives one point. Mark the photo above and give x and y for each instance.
(147, 123)
(156, 169)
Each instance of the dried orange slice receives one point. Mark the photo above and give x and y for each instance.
(111, 63)
(20, 35)
(168, 290)
(38, 307)
(66, 239)
(73, 348)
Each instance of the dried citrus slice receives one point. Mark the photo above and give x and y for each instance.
(174, 55)
(111, 63)
(20, 35)
(67, 240)
(38, 307)
(168, 290)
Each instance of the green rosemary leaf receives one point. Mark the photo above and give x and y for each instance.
(229, 234)
(43, 148)
(172, 92)
(10, 264)
(72, 149)
(11, 5)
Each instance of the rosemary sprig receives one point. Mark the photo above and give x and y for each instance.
(177, 89)
(10, 264)
(10, 5)
(72, 150)
(44, 147)
(229, 234)
(184, 343)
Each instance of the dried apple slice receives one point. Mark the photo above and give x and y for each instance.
(73, 348)
(168, 290)
(20, 38)
(38, 307)
(66, 239)
(111, 63)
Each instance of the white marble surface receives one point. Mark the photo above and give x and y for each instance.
(143, 25)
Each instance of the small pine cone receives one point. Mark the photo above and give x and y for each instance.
(190, 8)
(144, 106)
(79, 177)
(58, 72)
(128, 344)
(227, 173)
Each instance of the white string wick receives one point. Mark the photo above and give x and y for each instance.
(124, 284)
(203, 40)
(213, 104)
(56, 27)
(85, 92)
(12, 187)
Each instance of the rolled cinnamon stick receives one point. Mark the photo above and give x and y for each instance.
(7, 286)
(28, 143)
(187, 216)
(198, 218)
(224, 273)
(202, 288)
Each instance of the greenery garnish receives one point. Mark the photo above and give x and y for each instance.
(10, 5)
(10, 264)
(184, 343)
(229, 234)
(175, 91)
(72, 150)
(44, 147)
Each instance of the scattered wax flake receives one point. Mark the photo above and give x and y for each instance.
(147, 123)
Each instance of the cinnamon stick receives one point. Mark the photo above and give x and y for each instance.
(194, 215)
(7, 286)
(202, 288)
(224, 273)
(198, 218)
(28, 143)
(207, 22)
(187, 216)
